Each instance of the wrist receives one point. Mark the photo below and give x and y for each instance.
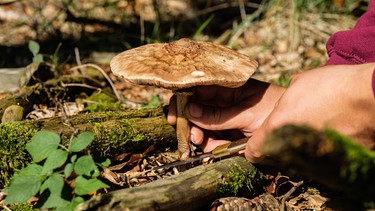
(363, 81)
(364, 105)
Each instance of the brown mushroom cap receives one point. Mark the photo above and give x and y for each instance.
(183, 64)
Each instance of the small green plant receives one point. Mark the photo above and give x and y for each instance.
(154, 102)
(34, 48)
(241, 180)
(60, 176)
(202, 26)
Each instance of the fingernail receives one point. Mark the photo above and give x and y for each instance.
(192, 137)
(195, 110)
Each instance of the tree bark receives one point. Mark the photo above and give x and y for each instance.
(327, 157)
(191, 190)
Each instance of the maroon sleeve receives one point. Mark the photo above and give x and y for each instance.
(355, 46)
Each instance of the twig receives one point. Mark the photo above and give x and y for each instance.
(118, 96)
(2, 200)
(82, 85)
(241, 5)
(6, 207)
(288, 194)
(242, 12)
(78, 60)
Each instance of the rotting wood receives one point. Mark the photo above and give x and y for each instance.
(191, 190)
(328, 158)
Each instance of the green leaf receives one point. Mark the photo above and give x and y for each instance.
(38, 58)
(154, 102)
(85, 165)
(68, 170)
(55, 200)
(30, 170)
(42, 144)
(72, 205)
(55, 183)
(83, 186)
(105, 163)
(24, 184)
(34, 47)
(81, 141)
(56, 159)
(73, 158)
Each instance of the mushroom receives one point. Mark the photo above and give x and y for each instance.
(179, 66)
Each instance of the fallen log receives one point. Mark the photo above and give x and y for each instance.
(191, 190)
(328, 158)
(131, 130)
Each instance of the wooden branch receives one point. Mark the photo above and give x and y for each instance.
(191, 190)
(327, 157)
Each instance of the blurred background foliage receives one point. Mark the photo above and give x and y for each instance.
(117, 25)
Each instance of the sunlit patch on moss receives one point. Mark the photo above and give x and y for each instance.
(357, 156)
(13, 138)
(240, 180)
(119, 134)
(101, 102)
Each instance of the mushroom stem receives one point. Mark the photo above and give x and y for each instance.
(182, 125)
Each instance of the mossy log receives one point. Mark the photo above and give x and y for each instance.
(115, 132)
(329, 158)
(193, 189)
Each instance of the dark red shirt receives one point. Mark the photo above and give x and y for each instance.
(355, 46)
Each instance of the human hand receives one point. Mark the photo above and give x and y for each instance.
(338, 96)
(219, 114)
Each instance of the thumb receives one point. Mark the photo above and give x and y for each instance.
(215, 118)
(253, 151)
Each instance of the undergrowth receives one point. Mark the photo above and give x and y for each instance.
(60, 177)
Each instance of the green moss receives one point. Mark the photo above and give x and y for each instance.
(360, 160)
(13, 139)
(113, 137)
(22, 207)
(240, 180)
(101, 102)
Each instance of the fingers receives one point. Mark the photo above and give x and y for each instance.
(253, 147)
(196, 135)
(216, 118)
(211, 144)
(206, 140)
(253, 151)
(172, 111)
(210, 117)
